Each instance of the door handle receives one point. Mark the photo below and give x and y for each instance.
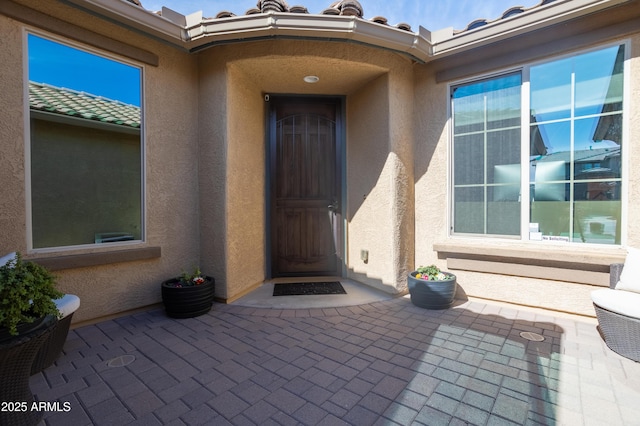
(333, 206)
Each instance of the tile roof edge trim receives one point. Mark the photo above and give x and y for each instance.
(317, 27)
(423, 46)
(61, 118)
(39, 20)
(534, 18)
(135, 17)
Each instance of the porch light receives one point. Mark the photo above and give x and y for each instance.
(311, 79)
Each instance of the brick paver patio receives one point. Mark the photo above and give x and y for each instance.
(382, 363)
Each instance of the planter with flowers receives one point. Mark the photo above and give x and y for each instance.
(431, 288)
(189, 295)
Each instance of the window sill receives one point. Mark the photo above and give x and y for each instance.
(585, 265)
(85, 260)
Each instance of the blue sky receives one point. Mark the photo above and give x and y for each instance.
(63, 66)
(431, 14)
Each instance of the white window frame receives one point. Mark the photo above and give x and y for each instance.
(27, 142)
(525, 204)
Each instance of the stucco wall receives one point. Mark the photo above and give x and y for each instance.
(431, 165)
(170, 128)
(369, 185)
(12, 172)
(212, 118)
(380, 217)
(633, 148)
(246, 184)
(232, 171)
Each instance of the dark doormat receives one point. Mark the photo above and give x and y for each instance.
(303, 289)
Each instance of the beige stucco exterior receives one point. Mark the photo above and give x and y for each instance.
(171, 193)
(204, 144)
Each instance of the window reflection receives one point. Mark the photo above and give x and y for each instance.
(486, 150)
(576, 135)
(86, 156)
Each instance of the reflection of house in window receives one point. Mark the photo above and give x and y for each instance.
(85, 167)
(601, 164)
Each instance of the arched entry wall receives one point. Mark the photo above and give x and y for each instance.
(380, 181)
(233, 81)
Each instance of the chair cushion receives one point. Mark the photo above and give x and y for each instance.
(630, 276)
(67, 304)
(619, 301)
(7, 258)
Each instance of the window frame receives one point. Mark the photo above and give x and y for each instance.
(525, 203)
(105, 54)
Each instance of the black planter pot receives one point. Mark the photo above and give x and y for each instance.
(23, 329)
(16, 359)
(432, 294)
(188, 301)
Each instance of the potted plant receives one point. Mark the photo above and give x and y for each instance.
(27, 293)
(28, 316)
(431, 288)
(188, 295)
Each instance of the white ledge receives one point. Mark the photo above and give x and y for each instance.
(136, 17)
(537, 17)
(295, 25)
(194, 33)
(540, 252)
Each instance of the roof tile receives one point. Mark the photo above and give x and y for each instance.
(57, 100)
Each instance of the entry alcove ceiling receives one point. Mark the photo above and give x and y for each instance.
(285, 74)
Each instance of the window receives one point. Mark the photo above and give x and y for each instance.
(486, 152)
(570, 151)
(85, 147)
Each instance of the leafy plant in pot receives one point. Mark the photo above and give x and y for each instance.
(28, 315)
(431, 288)
(189, 295)
(27, 291)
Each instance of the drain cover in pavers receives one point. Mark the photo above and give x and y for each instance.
(534, 337)
(121, 361)
(303, 289)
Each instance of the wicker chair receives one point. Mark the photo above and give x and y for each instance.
(621, 332)
(52, 347)
(16, 358)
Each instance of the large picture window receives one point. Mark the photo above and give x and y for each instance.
(570, 151)
(85, 147)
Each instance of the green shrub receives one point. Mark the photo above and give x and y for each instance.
(27, 291)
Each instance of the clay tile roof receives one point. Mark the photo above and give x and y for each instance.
(225, 14)
(71, 103)
(512, 11)
(354, 8)
(331, 11)
(476, 24)
(298, 9)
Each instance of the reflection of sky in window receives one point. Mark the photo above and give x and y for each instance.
(63, 66)
(596, 85)
(557, 136)
(498, 98)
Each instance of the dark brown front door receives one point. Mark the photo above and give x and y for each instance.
(305, 186)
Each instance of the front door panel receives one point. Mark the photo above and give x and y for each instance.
(305, 187)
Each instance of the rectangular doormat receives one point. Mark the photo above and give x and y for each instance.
(304, 289)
